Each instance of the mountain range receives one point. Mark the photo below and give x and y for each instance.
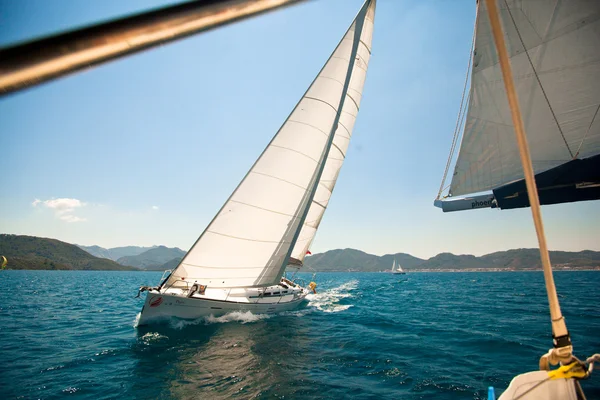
(510, 260)
(116, 252)
(154, 258)
(29, 252)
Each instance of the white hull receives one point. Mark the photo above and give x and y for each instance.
(398, 272)
(163, 304)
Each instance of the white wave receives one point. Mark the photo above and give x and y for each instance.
(137, 320)
(152, 337)
(243, 317)
(237, 316)
(328, 300)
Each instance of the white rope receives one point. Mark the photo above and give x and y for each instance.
(559, 327)
(462, 110)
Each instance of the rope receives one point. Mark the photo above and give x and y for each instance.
(559, 327)
(460, 111)
(538, 79)
(588, 131)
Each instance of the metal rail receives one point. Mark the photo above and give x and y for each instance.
(28, 64)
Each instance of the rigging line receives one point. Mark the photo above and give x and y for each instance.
(559, 327)
(460, 110)
(588, 131)
(538, 79)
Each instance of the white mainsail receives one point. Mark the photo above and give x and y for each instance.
(341, 140)
(553, 48)
(394, 265)
(250, 240)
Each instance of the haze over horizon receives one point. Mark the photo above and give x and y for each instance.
(144, 150)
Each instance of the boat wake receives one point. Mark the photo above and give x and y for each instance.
(330, 299)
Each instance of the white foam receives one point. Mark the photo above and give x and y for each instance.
(137, 320)
(243, 317)
(237, 316)
(328, 300)
(152, 337)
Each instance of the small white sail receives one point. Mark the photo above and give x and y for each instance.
(561, 116)
(394, 265)
(250, 240)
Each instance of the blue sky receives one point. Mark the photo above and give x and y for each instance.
(148, 148)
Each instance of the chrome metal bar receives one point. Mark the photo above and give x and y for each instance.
(32, 63)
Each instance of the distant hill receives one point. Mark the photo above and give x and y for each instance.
(168, 265)
(152, 259)
(116, 252)
(30, 252)
(356, 260)
(510, 260)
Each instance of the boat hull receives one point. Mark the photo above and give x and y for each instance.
(161, 306)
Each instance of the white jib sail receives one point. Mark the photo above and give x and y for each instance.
(250, 240)
(561, 115)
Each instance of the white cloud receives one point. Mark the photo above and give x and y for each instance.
(63, 208)
(64, 205)
(155, 208)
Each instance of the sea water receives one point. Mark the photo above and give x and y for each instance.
(71, 334)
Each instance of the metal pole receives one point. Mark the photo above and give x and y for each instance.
(35, 62)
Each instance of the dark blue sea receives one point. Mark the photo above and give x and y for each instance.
(363, 336)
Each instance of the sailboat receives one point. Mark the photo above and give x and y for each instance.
(397, 269)
(536, 77)
(270, 220)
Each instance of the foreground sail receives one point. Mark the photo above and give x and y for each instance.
(271, 218)
(554, 54)
(534, 99)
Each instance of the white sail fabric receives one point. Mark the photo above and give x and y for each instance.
(562, 39)
(341, 140)
(250, 240)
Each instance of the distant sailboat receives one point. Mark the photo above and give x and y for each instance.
(542, 87)
(271, 219)
(397, 269)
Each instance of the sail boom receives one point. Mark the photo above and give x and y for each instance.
(467, 203)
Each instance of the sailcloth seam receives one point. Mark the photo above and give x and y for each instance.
(279, 179)
(249, 240)
(322, 101)
(295, 151)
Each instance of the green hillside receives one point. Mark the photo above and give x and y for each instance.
(114, 253)
(30, 252)
(153, 258)
(510, 260)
